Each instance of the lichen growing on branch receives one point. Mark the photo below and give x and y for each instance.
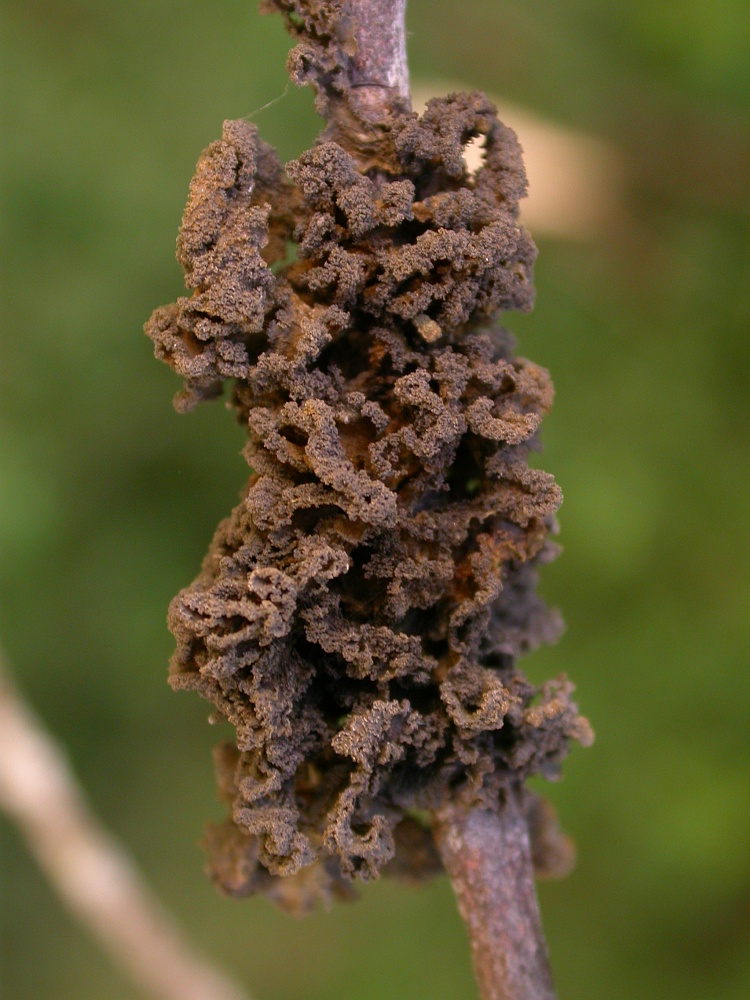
(358, 616)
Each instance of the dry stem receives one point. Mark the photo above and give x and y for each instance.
(488, 859)
(379, 76)
(486, 854)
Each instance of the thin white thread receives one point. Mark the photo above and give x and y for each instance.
(276, 100)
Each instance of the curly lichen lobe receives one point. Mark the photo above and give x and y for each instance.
(359, 615)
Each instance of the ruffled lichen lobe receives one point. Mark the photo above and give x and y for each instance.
(359, 614)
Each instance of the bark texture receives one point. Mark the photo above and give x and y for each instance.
(487, 855)
(353, 53)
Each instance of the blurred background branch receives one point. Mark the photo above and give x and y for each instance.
(91, 872)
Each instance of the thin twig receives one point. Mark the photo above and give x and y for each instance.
(487, 856)
(91, 872)
(379, 75)
(353, 52)
(486, 853)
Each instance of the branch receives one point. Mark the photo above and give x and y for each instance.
(379, 75)
(488, 859)
(353, 52)
(91, 872)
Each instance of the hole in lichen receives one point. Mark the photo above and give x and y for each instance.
(350, 356)
(465, 478)
(360, 593)
(290, 256)
(421, 816)
(309, 518)
(474, 155)
(294, 436)
(437, 648)
(355, 438)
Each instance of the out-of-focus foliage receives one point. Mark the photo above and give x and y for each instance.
(108, 498)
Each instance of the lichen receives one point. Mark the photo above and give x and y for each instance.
(359, 614)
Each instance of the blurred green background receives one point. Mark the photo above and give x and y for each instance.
(108, 498)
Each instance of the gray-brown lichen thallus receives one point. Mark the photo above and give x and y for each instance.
(359, 615)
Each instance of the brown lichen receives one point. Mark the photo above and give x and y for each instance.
(359, 614)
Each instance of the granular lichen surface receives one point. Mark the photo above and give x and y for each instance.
(359, 614)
